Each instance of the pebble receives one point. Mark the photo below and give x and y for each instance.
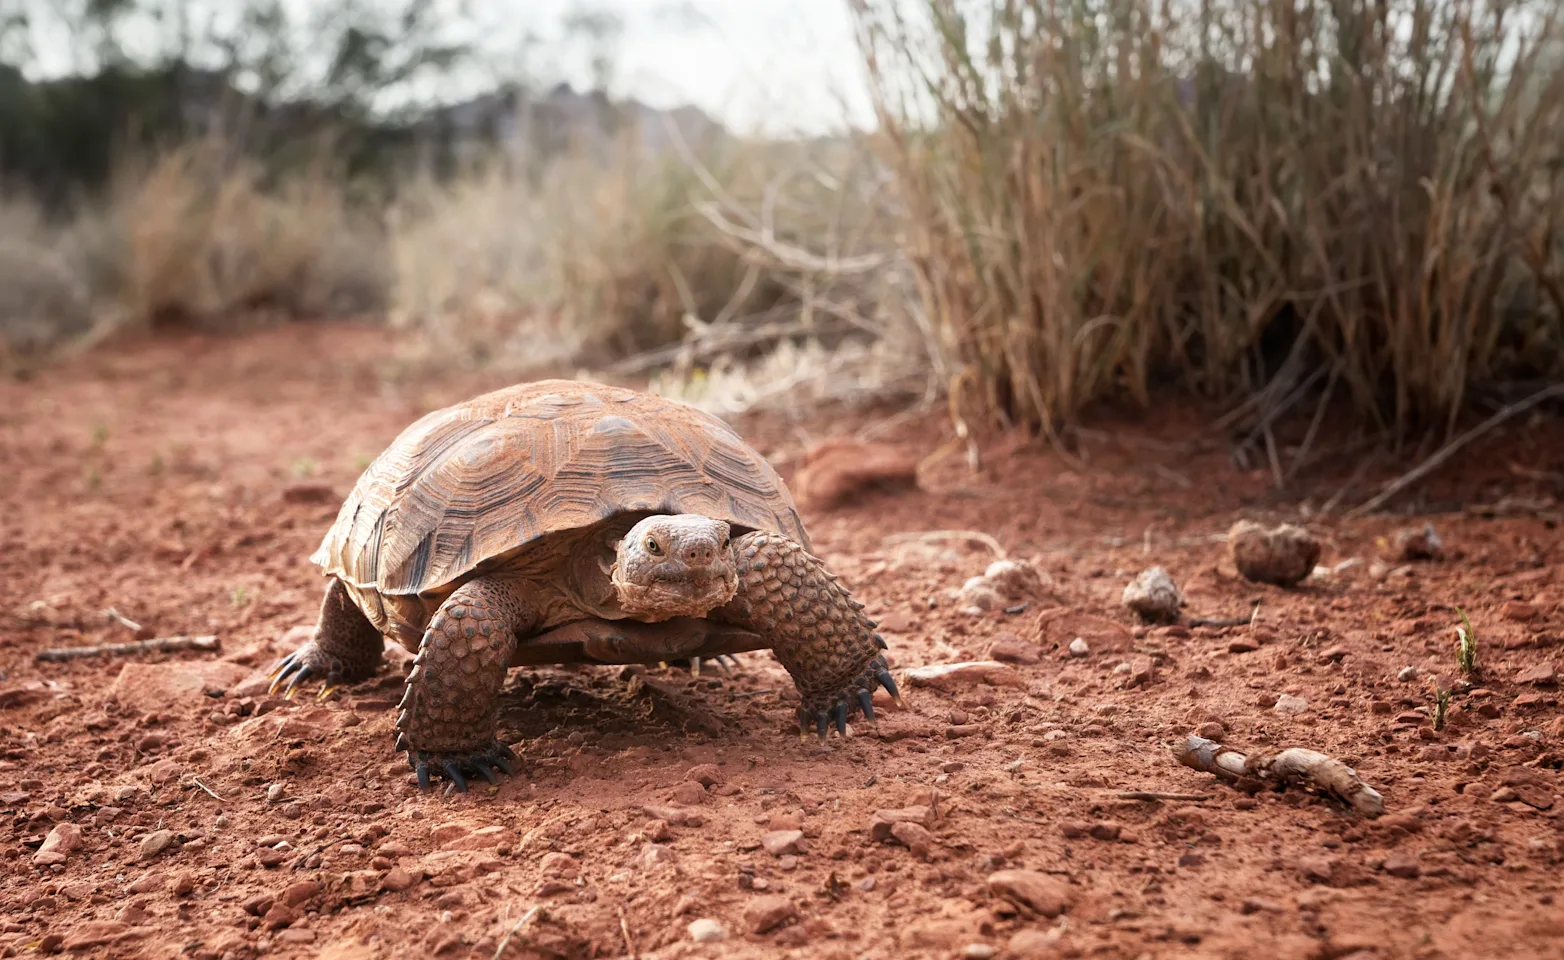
(883, 821)
(184, 885)
(781, 842)
(279, 916)
(689, 794)
(1518, 610)
(1153, 596)
(1540, 675)
(1407, 674)
(274, 793)
(766, 913)
(148, 883)
(397, 879)
(955, 675)
(155, 843)
(1291, 705)
(300, 892)
(1281, 555)
(1403, 865)
(1009, 648)
(61, 842)
(978, 951)
(705, 774)
(1079, 648)
(915, 837)
(1030, 890)
(706, 930)
(560, 865)
(1211, 730)
(678, 816)
(1242, 645)
(1418, 543)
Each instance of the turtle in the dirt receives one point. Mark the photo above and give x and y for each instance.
(570, 522)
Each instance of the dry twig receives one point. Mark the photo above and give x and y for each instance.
(1292, 766)
(155, 645)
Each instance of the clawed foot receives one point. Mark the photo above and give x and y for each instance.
(308, 662)
(833, 710)
(458, 767)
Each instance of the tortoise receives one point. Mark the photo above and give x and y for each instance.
(564, 521)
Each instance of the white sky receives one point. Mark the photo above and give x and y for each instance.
(782, 66)
(772, 66)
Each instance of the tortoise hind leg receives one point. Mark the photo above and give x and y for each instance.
(818, 631)
(346, 647)
(449, 715)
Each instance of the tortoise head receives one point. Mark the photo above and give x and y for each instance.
(678, 565)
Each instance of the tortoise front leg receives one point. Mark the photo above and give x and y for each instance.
(450, 713)
(346, 647)
(818, 631)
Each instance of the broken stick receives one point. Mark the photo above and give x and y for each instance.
(1292, 766)
(156, 645)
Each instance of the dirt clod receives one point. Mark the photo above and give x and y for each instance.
(1281, 555)
(1034, 892)
(765, 913)
(1153, 596)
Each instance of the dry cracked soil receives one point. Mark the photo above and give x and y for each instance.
(163, 805)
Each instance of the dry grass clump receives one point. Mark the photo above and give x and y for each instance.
(733, 273)
(1263, 201)
(190, 236)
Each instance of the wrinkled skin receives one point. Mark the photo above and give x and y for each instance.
(674, 566)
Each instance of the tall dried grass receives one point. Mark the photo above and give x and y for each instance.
(1263, 200)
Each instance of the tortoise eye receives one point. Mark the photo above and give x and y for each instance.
(652, 547)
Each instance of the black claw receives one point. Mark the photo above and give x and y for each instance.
(866, 701)
(423, 775)
(485, 771)
(298, 678)
(455, 774)
(886, 681)
(401, 741)
(504, 764)
(879, 641)
(506, 752)
(840, 717)
(822, 724)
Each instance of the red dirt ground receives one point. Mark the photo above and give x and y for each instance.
(184, 484)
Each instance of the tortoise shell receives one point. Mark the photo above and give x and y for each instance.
(485, 479)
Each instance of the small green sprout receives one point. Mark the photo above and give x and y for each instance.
(1466, 646)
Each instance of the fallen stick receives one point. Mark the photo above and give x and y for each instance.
(1292, 766)
(1149, 795)
(156, 645)
(1450, 449)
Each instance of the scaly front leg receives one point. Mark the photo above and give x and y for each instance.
(450, 712)
(819, 632)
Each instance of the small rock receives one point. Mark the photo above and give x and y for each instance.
(1407, 674)
(1541, 675)
(1532, 786)
(1153, 596)
(274, 793)
(978, 951)
(164, 771)
(1191, 859)
(915, 837)
(155, 843)
(560, 865)
(279, 916)
(298, 893)
(706, 930)
(1282, 555)
(1318, 869)
(293, 935)
(764, 914)
(1291, 705)
(1242, 645)
(658, 831)
(1009, 648)
(61, 842)
(1032, 891)
(1211, 730)
(1518, 610)
(705, 774)
(51, 943)
(1015, 580)
(1333, 654)
(653, 856)
(149, 687)
(184, 885)
(781, 842)
(396, 880)
(1413, 543)
(950, 676)
(883, 822)
(1504, 795)
(1033, 944)
(678, 816)
(1105, 831)
(1403, 865)
(1079, 648)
